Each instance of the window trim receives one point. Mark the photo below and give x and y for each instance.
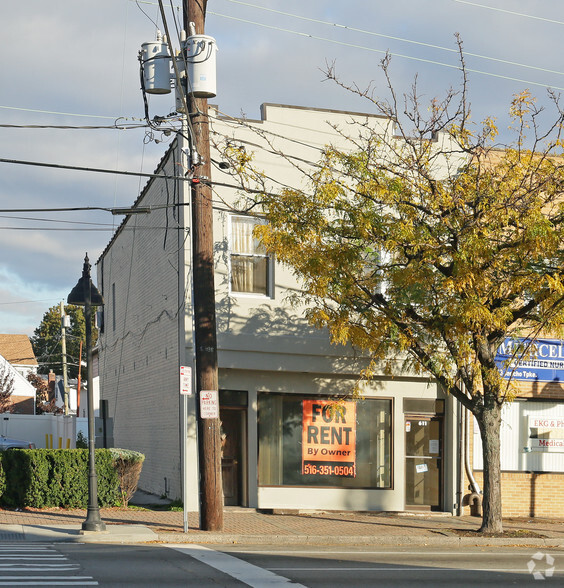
(307, 487)
(269, 263)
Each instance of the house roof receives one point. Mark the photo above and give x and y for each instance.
(17, 349)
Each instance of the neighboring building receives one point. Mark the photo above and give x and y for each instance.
(275, 371)
(16, 356)
(532, 434)
(18, 351)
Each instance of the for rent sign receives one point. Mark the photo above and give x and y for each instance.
(329, 438)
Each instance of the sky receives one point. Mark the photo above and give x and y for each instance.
(73, 63)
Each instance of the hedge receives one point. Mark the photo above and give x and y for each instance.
(48, 478)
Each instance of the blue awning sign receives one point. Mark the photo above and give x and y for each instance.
(541, 360)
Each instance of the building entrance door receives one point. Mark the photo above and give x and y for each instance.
(233, 463)
(423, 462)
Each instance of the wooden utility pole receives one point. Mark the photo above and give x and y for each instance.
(209, 443)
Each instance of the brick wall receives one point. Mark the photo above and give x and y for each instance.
(530, 494)
(139, 355)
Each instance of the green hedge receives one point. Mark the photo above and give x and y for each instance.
(47, 478)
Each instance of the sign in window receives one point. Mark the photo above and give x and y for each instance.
(329, 438)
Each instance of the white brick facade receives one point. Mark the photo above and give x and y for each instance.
(263, 344)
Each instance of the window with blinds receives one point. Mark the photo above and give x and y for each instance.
(249, 263)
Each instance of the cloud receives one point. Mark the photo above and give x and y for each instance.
(81, 58)
(24, 302)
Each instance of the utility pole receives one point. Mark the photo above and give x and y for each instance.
(64, 354)
(209, 443)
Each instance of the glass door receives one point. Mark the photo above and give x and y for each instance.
(423, 462)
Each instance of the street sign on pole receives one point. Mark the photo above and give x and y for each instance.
(209, 404)
(186, 380)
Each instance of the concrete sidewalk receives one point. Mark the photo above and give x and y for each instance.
(250, 527)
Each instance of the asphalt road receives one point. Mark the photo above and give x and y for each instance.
(156, 565)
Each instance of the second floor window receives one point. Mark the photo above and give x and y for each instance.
(250, 264)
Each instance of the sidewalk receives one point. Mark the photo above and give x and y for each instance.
(249, 527)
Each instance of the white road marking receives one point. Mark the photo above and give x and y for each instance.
(41, 573)
(34, 557)
(70, 581)
(38, 568)
(236, 568)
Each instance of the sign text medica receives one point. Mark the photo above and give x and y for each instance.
(541, 360)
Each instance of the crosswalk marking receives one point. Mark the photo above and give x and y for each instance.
(237, 568)
(33, 567)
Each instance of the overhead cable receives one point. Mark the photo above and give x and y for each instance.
(507, 12)
(393, 38)
(60, 113)
(391, 53)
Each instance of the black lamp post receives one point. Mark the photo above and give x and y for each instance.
(86, 294)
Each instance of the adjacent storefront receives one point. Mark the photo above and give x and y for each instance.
(532, 430)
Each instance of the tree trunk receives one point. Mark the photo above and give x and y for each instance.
(489, 422)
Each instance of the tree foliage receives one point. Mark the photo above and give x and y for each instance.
(46, 340)
(425, 240)
(43, 405)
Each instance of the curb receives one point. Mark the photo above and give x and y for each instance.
(323, 540)
(136, 533)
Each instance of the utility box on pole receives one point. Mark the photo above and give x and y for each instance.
(155, 62)
(201, 66)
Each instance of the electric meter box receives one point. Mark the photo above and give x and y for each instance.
(156, 67)
(201, 65)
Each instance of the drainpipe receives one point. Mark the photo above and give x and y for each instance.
(469, 473)
(475, 499)
(461, 451)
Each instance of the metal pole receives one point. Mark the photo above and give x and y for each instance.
(64, 354)
(93, 521)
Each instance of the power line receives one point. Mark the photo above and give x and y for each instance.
(55, 220)
(400, 39)
(60, 113)
(504, 10)
(393, 54)
(28, 301)
(80, 128)
(393, 38)
(133, 209)
(109, 229)
(90, 169)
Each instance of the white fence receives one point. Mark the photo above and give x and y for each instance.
(45, 430)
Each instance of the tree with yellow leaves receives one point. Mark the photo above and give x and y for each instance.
(434, 244)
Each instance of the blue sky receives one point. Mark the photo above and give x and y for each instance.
(74, 63)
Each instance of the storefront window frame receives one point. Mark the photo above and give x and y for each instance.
(305, 396)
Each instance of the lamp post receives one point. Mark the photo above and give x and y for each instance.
(87, 295)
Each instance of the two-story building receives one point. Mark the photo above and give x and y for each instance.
(395, 448)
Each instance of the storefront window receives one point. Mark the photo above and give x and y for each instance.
(312, 441)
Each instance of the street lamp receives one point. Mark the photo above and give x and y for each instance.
(86, 294)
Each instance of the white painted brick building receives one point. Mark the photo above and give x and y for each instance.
(273, 367)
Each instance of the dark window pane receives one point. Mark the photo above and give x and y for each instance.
(282, 443)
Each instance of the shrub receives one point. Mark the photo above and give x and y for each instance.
(46, 478)
(128, 465)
